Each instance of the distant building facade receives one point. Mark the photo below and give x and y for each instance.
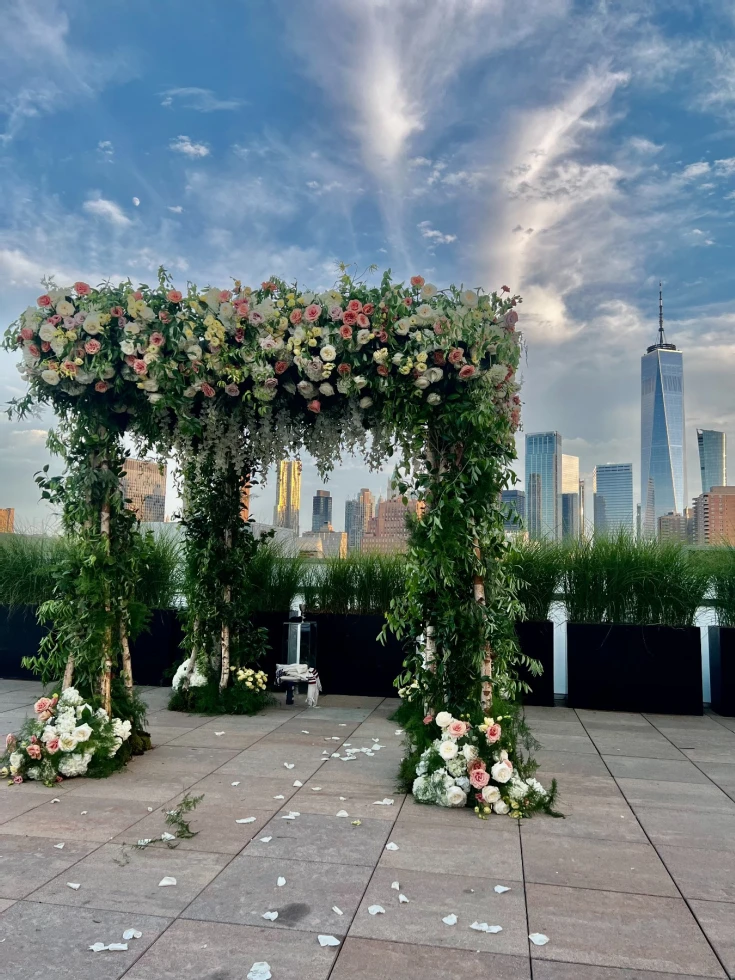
(714, 517)
(543, 485)
(7, 520)
(612, 486)
(387, 532)
(288, 495)
(712, 447)
(327, 543)
(321, 509)
(570, 507)
(358, 513)
(677, 527)
(514, 504)
(144, 487)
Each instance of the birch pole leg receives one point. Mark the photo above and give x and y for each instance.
(127, 664)
(68, 673)
(478, 587)
(106, 681)
(191, 663)
(225, 640)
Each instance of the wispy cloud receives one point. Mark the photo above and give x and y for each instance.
(183, 144)
(199, 99)
(107, 210)
(176, 208)
(435, 236)
(106, 149)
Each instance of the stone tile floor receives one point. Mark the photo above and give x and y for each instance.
(637, 883)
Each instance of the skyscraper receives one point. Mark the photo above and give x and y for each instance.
(288, 495)
(515, 507)
(712, 458)
(357, 514)
(612, 485)
(543, 484)
(582, 527)
(663, 455)
(570, 507)
(144, 487)
(321, 509)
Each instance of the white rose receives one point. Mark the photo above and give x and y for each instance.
(92, 324)
(298, 334)
(306, 388)
(121, 729)
(501, 807)
(132, 329)
(194, 352)
(402, 328)
(147, 314)
(155, 398)
(469, 752)
(65, 308)
(448, 750)
(470, 297)
(456, 796)
(428, 290)
(67, 742)
(127, 347)
(490, 794)
(433, 398)
(397, 358)
(365, 402)
(360, 382)
(16, 759)
(363, 336)
(444, 719)
(326, 389)
(212, 297)
(82, 733)
(425, 311)
(380, 356)
(434, 374)
(327, 353)
(422, 382)
(150, 384)
(226, 309)
(501, 773)
(48, 733)
(47, 331)
(50, 377)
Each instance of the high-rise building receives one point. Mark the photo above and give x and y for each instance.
(321, 509)
(569, 474)
(7, 520)
(388, 531)
(514, 502)
(570, 510)
(357, 515)
(612, 486)
(663, 451)
(712, 458)
(543, 484)
(333, 543)
(582, 526)
(288, 495)
(714, 517)
(677, 527)
(144, 488)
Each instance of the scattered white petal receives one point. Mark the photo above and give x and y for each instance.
(219, 733)
(304, 731)
(265, 839)
(166, 881)
(260, 971)
(376, 909)
(291, 815)
(342, 724)
(97, 947)
(335, 738)
(57, 800)
(390, 846)
(59, 847)
(289, 765)
(399, 731)
(396, 886)
(279, 797)
(271, 916)
(84, 813)
(342, 813)
(484, 927)
(316, 789)
(450, 920)
(375, 740)
(166, 836)
(386, 802)
(145, 841)
(281, 882)
(297, 782)
(328, 941)
(246, 820)
(336, 755)
(337, 910)
(501, 888)
(73, 884)
(538, 939)
(342, 799)
(150, 809)
(132, 934)
(403, 900)
(235, 784)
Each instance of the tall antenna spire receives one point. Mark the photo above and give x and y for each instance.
(661, 338)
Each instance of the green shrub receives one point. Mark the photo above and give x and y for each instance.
(536, 566)
(721, 562)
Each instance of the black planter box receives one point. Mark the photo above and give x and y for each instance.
(20, 636)
(157, 652)
(350, 660)
(612, 667)
(722, 669)
(536, 640)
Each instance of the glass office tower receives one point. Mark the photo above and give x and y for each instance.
(712, 458)
(612, 485)
(663, 451)
(288, 495)
(321, 510)
(515, 509)
(543, 485)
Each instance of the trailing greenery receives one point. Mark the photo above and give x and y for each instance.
(618, 580)
(536, 567)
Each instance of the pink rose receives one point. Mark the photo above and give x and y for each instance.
(232, 390)
(295, 316)
(312, 312)
(280, 366)
(428, 719)
(44, 300)
(43, 704)
(140, 366)
(511, 318)
(458, 728)
(493, 733)
(407, 300)
(242, 308)
(417, 281)
(10, 742)
(45, 715)
(475, 764)
(345, 332)
(239, 335)
(335, 313)
(26, 333)
(82, 289)
(34, 751)
(174, 296)
(315, 406)
(349, 318)
(207, 390)
(438, 329)
(467, 371)
(45, 346)
(55, 319)
(17, 780)
(101, 387)
(362, 321)
(33, 350)
(456, 354)
(52, 746)
(383, 336)
(137, 295)
(344, 369)
(479, 778)
(157, 339)
(92, 346)
(117, 311)
(70, 367)
(368, 309)
(164, 316)
(354, 306)
(270, 383)
(225, 296)
(383, 370)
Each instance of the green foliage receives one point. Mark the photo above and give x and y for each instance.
(536, 567)
(175, 818)
(721, 565)
(210, 700)
(363, 584)
(274, 577)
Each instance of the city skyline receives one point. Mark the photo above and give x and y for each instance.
(712, 446)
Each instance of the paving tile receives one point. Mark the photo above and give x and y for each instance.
(169, 759)
(15, 700)
(475, 850)
(613, 720)
(320, 838)
(711, 753)
(433, 896)
(604, 819)
(220, 951)
(358, 803)
(582, 788)
(247, 888)
(121, 879)
(53, 941)
(689, 828)
(162, 734)
(12, 804)
(652, 746)
(215, 826)
(132, 784)
(580, 862)
(535, 713)
(702, 873)
(547, 970)
(581, 764)
(635, 932)
(101, 820)
(5, 903)
(360, 959)
(27, 863)
(670, 770)
(566, 743)
(720, 773)
(413, 814)
(201, 738)
(716, 918)
(256, 792)
(176, 719)
(676, 796)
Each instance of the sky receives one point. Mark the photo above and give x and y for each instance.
(578, 152)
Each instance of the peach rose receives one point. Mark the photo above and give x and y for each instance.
(428, 719)
(345, 332)
(34, 751)
(417, 281)
(208, 391)
(295, 316)
(479, 778)
(354, 306)
(44, 300)
(157, 339)
(315, 406)
(467, 371)
(92, 346)
(26, 333)
(101, 387)
(70, 367)
(383, 337)
(242, 308)
(269, 287)
(493, 733)
(117, 311)
(225, 296)
(368, 309)
(362, 321)
(33, 350)
(52, 746)
(140, 366)
(383, 370)
(312, 312)
(349, 318)
(232, 390)
(344, 369)
(456, 354)
(458, 728)
(82, 288)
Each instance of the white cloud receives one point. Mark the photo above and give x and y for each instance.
(106, 148)
(176, 208)
(107, 210)
(436, 237)
(199, 99)
(725, 168)
(642, 145)
(183, 144)
(136, 202)
(695, 170)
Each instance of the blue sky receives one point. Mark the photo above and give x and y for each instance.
(576, 151)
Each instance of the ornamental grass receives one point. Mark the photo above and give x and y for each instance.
(537, 567)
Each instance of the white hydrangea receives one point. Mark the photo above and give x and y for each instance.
(75, 764)
(121, 729)
(198, 679)
(457, 767)
(49, 732)
(517, 789)
(66, 721)
(535, 785)
(113, 751)
(34, 773)
(101, 713)
(16, 760)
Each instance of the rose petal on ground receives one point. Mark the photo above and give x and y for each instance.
(260, 971)
(386, 802)
(59, 847)
(376, 909)
(316, 789)
(538, 939)
(73, 884)
(235, 784)
(58, 801)
(166, 836)
(396, 886)
(132, 934)
(403, 900)
(337, 910)
(279, 797)
(265, 839)
(84, 813)
(304, 731)
(501, 888)
(342, 813)
(164, 882)
(281, 882)
(219, 733)
(97, 947)
(450, 920)
(390, 846)
(246, 820)
(271, 916)
(289, 765)
(297, 782)
(328, 940)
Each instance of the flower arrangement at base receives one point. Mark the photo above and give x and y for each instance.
(246, 694)
(68, 737)
(467, 765)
